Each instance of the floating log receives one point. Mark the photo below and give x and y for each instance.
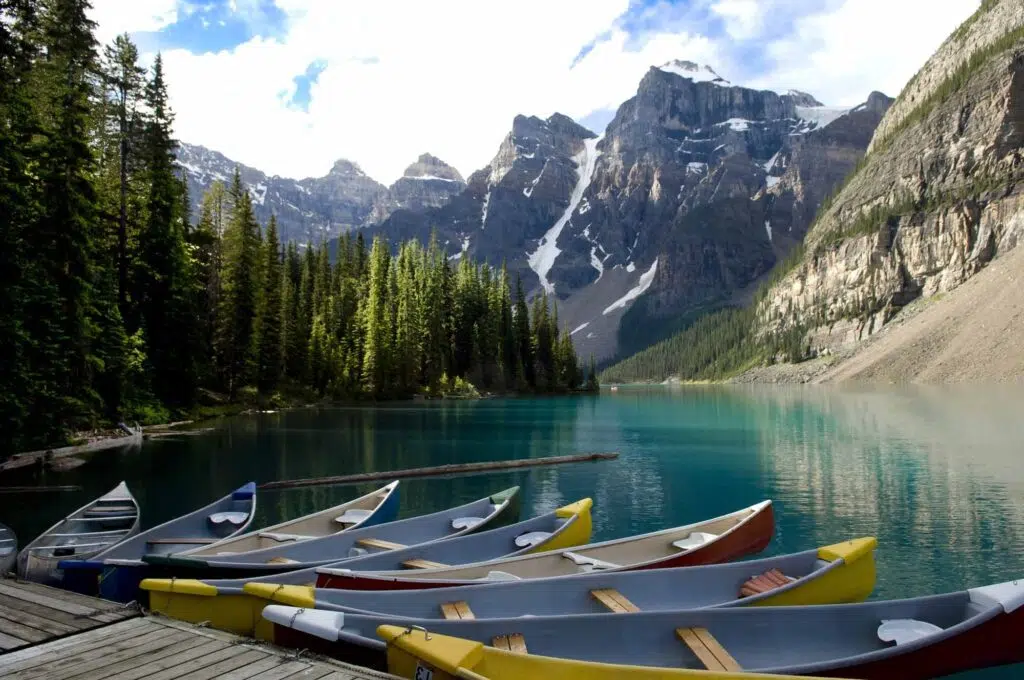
(39, 489)
(178, 433)
(450, 469)
(47, 456)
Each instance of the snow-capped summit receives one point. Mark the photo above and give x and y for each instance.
(698, 73)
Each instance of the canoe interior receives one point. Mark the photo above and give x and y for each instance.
(376, 505)
(620, 553)
(794, 640)
(93, 528)
(480, 546)
(198, 524)
(420, 529)
(650, 590)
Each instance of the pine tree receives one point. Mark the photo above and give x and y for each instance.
(123, 80)
(59, 311)
(17, 209)
(294, 341)
(237, 314)
(270, 364)
(164, 290)
(525, 374)
(376, 321)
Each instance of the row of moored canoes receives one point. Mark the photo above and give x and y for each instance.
(472, 592)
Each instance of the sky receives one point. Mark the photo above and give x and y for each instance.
(290, 86)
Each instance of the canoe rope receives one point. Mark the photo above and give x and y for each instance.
(134, 604)
(426, 633)
(291, 624)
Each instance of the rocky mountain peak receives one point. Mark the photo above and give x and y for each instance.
(432, 167)
(698, 73)
(878, 102)
(803, 99)
(346, 168)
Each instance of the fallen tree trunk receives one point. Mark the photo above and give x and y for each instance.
(452, 468)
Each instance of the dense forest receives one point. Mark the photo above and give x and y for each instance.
(117, 304)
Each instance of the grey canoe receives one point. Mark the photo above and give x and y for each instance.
(87, 531)
(374, 508)
(8, 549)
(450, 523)
(840, 576)
(910, 639)
(721, 539)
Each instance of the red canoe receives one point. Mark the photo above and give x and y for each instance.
(721, 539)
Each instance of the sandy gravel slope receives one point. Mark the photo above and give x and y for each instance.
(973, 334)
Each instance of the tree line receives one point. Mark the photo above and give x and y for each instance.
(115, 304)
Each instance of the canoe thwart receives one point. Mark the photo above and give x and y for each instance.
(513, 642)
(457, 610)
(706, 648)
(614, 600)
(181, 541)
(424, 564)
(378, 543)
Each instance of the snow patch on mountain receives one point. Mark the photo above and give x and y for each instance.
(646, 279)
(696, 73)
(543, 259)
(580, 327)
(816, 117)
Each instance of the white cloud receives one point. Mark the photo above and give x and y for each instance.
(862, 45)
(742, 17)
(114, 17)
(448, 76)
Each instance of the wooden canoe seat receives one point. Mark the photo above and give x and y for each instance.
(115, 509)
(281, 560)
(513, 642)
(378, 543)
(710, 652)
(614, 600)
(182, 541)
(424, 564)
(457, 610)
(769, 580)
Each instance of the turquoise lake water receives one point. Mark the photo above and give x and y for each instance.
(936, 474)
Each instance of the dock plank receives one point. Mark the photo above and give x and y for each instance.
(39, 654)
(123, 658)
(285, 669)
(10, 642)
(192, 650)
(76, 661)
(14, 628)
(132, 667)
(255, 669)
(195, 665)
(46, 600)
(70, 620)
(247, 656)
(44, 623)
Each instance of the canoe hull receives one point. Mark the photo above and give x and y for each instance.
(996, 642)
(750, 538)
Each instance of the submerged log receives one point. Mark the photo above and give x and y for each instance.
(39, 489)
(450, 469)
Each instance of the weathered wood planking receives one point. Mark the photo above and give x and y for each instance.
(33, 614)
(50, 634)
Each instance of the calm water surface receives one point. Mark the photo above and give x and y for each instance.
(936, 474)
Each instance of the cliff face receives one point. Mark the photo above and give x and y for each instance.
(940, 193)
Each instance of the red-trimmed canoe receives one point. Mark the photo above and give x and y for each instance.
(713, 541)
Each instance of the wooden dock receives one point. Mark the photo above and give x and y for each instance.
(47, 634)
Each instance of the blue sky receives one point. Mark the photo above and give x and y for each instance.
(382, 82)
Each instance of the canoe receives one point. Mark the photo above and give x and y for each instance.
(227, 604)
(844, 572)
(459, 521)
(86, 532)
(721, 539)
(8, 549)
(115, 572)
(420, 655)
(911, 639)
(374, 508)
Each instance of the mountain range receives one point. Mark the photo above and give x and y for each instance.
(682, 204)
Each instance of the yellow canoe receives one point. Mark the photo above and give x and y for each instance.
(419, 655)
(228, 604)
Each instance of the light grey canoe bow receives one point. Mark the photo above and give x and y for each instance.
(369, 510)
(8, 549)
(84, 533)
(912, 638)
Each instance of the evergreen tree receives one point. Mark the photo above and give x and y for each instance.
(376, 321)
(525, 374)
(237, 314)
(59, 310)
(270, 364)
(123, 80)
